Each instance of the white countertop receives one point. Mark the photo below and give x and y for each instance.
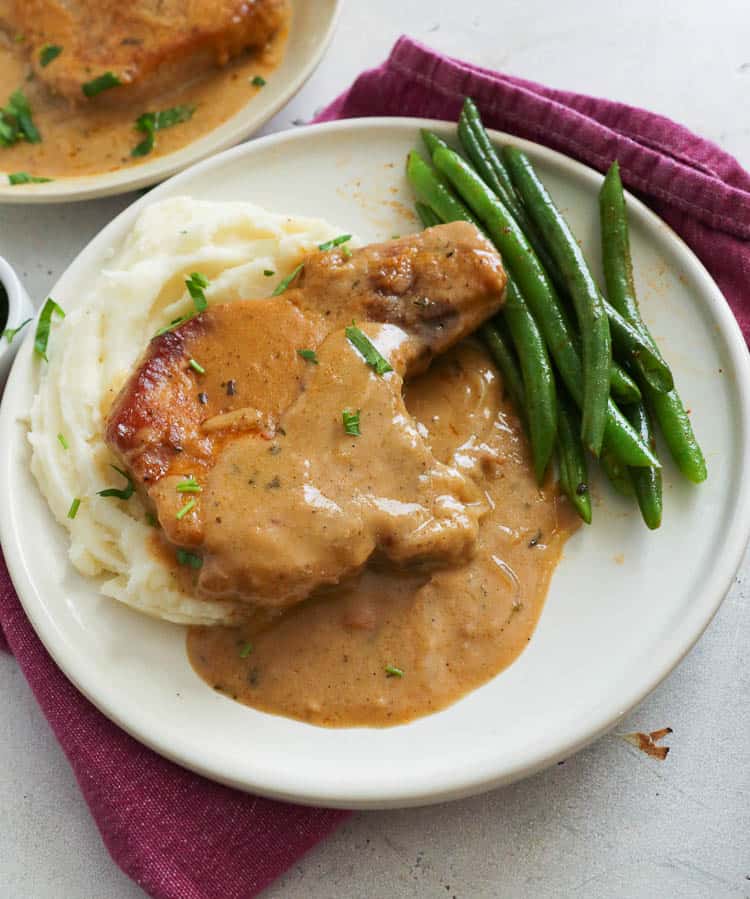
(610, 821)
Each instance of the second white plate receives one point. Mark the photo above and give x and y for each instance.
(312, 26)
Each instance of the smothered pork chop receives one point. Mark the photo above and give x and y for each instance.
(349, 515)
(271, 435)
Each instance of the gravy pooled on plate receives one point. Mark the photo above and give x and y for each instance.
(387, 539)
(390, 646)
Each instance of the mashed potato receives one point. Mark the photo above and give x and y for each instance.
(92, 352)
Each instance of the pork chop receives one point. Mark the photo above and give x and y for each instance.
(135, 41)
(290, 499)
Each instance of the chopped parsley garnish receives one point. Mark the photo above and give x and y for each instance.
(62, 441)
(151, 122)
(101, 83)
(48, 53)
(74, 506)
(245, 650)
(334, 242)
(308, 356)
(351, 422)
(196, 366)
(191, 559)
(126, 493)
(195, 284)
(151, 520)
(285, 282)
(269, 272)
(190, 485)
(392, 671)
(10, 333)
(41, 338)
(361, 342)
(188, 507)
(16, 178)
(16, 123)
(259, 81)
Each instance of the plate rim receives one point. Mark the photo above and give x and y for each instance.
(124, 180)
(465, 783)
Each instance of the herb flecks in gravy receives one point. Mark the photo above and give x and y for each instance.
(98, 134)
(333, 660)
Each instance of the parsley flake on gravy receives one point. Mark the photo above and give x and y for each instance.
(308, 356)
(16, 178)
(151, 122)
(101, 83)
(188, 507)
(16, 124)
(191, 559)
(362, 343)
(351, 422)
(48, 54)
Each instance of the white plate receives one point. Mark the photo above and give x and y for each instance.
(312, 26)
(625, 604)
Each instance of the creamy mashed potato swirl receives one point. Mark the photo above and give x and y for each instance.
(92, 352)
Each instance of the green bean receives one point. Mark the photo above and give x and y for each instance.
(478, 146)
(627, 338)
(540, 296)
(427, 216)
(432, 190)
(618, 474)
(667, 408)
(490, 167)
(646, 481)
(538, 378)
(622, 387)
(616, 258)
(572, 460)
(678, 433)
(498, 340)
(634, 348)
(431, 140)
(589, 307)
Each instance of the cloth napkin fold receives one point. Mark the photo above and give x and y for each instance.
(182, 837)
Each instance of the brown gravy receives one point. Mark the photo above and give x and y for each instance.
(334, 659)
(93, 140)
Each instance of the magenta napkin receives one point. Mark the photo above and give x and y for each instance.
(182, 837)
(697, 188)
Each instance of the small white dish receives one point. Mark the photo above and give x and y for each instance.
(19, 310)
(625, 604)
(312, 26)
